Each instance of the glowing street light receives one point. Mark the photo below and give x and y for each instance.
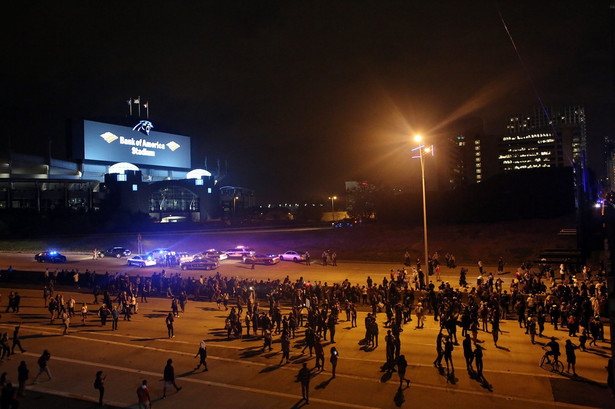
(235, 198)
(332, 198)
(423, 150)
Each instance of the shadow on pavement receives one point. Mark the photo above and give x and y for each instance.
(399, 398)
(34, 399)
(581, 391)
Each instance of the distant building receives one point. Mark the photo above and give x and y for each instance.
(462, 154)
(609, 160)
(544, 139)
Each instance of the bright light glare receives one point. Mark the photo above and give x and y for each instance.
(427, 150)
(417, 138)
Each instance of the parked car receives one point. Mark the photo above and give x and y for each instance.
(268, 259)
(183, 256)
(200, 264)
(348, 222)
(240, 252)
(142, 260)
(118, 252)
(292, 255)
(51, 256)
(215, 254)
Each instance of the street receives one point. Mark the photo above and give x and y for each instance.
(242, 376)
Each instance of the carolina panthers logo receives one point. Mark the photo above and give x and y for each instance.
(143, 127)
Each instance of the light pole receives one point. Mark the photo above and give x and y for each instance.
(235, 198)
(333, 207)
(422, 150)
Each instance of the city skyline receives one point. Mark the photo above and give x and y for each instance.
(300, 96)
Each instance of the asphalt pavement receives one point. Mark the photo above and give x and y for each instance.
(241, 375)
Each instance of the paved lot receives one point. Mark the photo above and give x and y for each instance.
(242, 376)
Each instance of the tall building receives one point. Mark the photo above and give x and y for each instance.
(463, 152)
(544, 139)
(609, 160)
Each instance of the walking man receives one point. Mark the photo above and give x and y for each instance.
(478, 358)
(333, 360)
(16, 341)
(99, 383)
(304, 377)
(202, 354)
(401, 370)
(169, 321)
(571, 356)
(169, 379)
(145, 401)
(467, 352)
(42, 365)
(22, 376)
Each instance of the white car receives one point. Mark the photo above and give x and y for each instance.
(292, 255)
(141, 261)
(240, 252)
(183, 257)
(215, 254)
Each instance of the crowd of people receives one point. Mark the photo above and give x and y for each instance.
(535, 296)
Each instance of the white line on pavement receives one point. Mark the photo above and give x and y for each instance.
(204, 382)
(367, 379)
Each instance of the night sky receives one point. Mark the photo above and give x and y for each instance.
(300, 96)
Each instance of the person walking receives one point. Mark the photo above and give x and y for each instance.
(401, 370)
(468, 353)
(169, 378)
(202, 354)
(169, 321)
(145, 402)
(439, 350)
(65, 322)
(320, 355)
(333, 360)
(84, 313)
(448, 354)
(285, 341)
(16, 340)
(115, 317)
(22, 376)
(571, 356)
(99, 383)
(478, 359)
(43, 361)
(304, 377)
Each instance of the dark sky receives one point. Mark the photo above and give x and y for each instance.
(301, 96)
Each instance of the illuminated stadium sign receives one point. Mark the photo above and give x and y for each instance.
(140, 145)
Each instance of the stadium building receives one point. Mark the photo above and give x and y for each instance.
(128, 164)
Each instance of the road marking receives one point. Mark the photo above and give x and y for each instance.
(540, 402)
(361, 378)
(246, 361)
(204, 382)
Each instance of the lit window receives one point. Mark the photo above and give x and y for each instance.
(135, 188)
(198, 182)
(121, 177)
(209, 190)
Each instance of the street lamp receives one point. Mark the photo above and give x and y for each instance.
(423, 150)
(235, 198)
(332, 198)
